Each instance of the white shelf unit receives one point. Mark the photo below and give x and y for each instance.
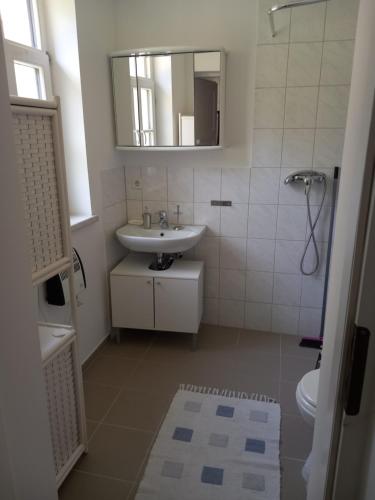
(39, 149)
(170, 300)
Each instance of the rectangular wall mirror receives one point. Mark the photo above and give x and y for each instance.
(169, 100)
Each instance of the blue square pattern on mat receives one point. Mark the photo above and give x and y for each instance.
(183, 434)
(255, 445)
(225, 411)
(212, 475)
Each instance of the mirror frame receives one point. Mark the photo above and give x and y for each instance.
(171, 51)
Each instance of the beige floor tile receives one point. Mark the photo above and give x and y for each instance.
(82, 486)
(290, 347)
(116, 452)
(260, 341)
(170, 346)
(133, 344)
(110, 370)
(98, 399)
(90, 427)
(288, 398)
(296, 437)
(294, 368)
(139, 410)
(212, 335)
(293, 486)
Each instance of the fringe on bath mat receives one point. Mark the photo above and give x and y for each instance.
(227, 393)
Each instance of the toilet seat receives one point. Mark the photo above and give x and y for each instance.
(307, 395)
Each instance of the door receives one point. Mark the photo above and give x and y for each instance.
(132, 300)
(343, 447)
(205, 112)
(176, 305)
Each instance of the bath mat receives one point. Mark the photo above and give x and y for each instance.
(213, 446)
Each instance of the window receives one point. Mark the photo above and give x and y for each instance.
(27, 63)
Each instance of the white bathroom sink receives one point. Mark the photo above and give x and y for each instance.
(157, 240)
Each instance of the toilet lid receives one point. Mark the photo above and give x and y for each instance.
(309, 387)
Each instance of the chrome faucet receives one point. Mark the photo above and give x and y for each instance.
(163, 219)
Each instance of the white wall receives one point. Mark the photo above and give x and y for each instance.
(26, 464)
(212, 23)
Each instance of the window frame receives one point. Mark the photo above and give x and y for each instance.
(35, 56)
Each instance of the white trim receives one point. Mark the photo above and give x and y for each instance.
(163, 51)
(79, 221)
(168, 148)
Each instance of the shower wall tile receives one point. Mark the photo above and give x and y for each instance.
(260, 255)
(300, 107)
(329, 144)
(207, 215)
(231, 313)
(235, 185)
(264, 186)
(322, 227)
(332, 106)
(341, 19)
(310, 322)
(269, 108)
(258, 316)
(232, 284)
(211, 282)
(207, 183)
(285, 319)
(337, 63)
(267, 147)
(211, 311)
(208, 251)
(262, 221)
(287, 289)
(288, 255)
(298, 148)
(307, 23)
(259, 286)
(233, 253)
(304, 64)
(271, 65)
(234, 220)
(312, 291)
(291, 222)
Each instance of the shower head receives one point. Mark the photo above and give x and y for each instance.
(305, 176)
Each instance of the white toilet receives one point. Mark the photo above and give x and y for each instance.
(307, 396)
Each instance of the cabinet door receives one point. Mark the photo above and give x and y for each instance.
(176, 305)
(132, 302)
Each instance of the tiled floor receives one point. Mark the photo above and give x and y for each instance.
(129, 387)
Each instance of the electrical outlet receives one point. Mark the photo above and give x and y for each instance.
(137, 184)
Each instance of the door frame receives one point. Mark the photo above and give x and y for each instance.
(347, 254)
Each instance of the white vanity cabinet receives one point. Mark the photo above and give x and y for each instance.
(170, 300)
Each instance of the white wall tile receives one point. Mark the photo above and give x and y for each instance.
(211, 282)
(209, 216)
(308, 23)
(232, 284)
(287, 289)
(304, 64)
(258, 316)
(135, 209)
(208, 251)
(259, 286)
(285, 319)
(329, 144)
(309, 322)
(298, 148)
(233, 253)
(332, 106)
(211, 311)
(207, 182)
(288, 255)
(341, 19)
(180, 184)
(235, 185)
(337, 63)
(322, 227)
(113, 186)
(312, 291)
(269, 108)
(267, 145)
(291, 194)
(154, 182)
(114, 217)
(291, 222)
(271, 65)
(231, 313)
(234, 220)
(186, 213)
(262, 221)
(264, 185)
(154, 207)
(260, 254)
(300, 107)
(282, 24)
(310, 259)
(133, 183)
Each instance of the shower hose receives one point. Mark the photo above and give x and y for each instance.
(312, 226)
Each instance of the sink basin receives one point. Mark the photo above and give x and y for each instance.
(157, 240)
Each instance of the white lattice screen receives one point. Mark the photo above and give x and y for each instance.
(62, 400)
(36, 162)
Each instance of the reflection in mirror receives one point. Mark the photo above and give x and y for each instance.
(167, 99)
